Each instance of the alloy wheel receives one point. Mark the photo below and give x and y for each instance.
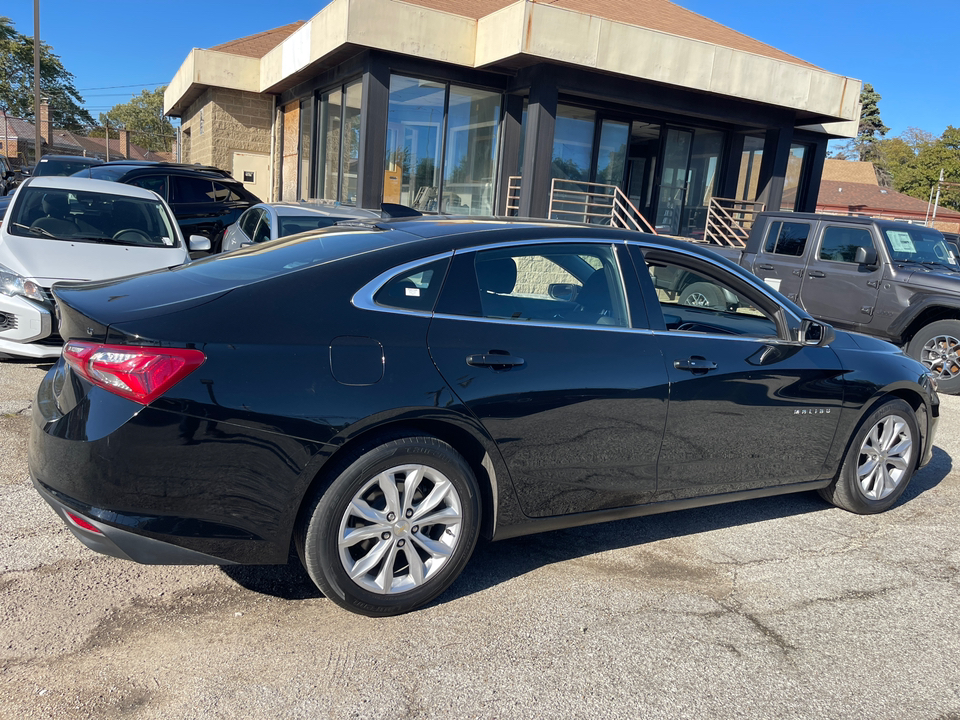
(400, 529)
(941, 354)
(884, 457)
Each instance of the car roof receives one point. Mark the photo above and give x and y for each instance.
(73, 158)
(80, 184)
(288, 209)
(155, 165)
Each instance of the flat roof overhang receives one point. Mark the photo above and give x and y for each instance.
(522, 34)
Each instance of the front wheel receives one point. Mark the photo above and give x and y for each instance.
(395, 527)
(937, 346)
(705, 295)
(880, 461)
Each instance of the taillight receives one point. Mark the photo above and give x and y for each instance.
(137, 373)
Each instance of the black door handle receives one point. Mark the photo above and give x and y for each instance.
(765, 267)
(497, 362)
(816, 274)
(696, 364)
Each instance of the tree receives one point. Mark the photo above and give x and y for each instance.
(56, 83)
(915, 160)
(871, 128)
(143, 117)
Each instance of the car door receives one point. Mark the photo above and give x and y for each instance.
(536, 341)
(750, 407)
(198, 213)
(781, 260)
(836, 287)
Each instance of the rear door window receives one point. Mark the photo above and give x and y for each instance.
(787, 238)
(191, 190)
(157, 183)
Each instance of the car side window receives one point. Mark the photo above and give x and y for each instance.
(191, 190)
(787, 238)
(262, 233)
(248, 221)
(840, 244)
(415, 289)
(157, 183)
(696, 298)
(221, 193)
(565, 284)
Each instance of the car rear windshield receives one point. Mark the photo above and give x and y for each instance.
(302, 223)
(59, 167)
(57, 214)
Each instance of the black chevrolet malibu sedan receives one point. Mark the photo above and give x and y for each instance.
(380, 394)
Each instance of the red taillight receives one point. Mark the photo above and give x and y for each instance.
(137, 373)
(81, 523)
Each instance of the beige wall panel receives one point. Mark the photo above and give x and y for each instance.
(329, 29)
(218, 69)
(413, 30)
(792, 86)
(561, 35)
(500, 34)
(655, 56)
(296, 50)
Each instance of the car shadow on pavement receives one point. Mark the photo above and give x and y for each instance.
(495, 563)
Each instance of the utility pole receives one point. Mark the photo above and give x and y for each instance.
(36, 80)
(937, 201)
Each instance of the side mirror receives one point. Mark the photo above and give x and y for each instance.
(198, 243)
(562, 291)
(816, 334)
(866, 256)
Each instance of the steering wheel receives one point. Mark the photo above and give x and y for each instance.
(133, 236)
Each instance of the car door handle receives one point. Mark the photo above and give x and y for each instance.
(765, 266)
(695, 364)
(816, 274)
(494, 360)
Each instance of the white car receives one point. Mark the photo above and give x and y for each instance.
(66, 229)
(269, 221)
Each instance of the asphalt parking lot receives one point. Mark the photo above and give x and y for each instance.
(775, 608)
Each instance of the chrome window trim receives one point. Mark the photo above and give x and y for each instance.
(363, 298)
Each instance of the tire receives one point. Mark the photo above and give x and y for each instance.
(705, 295)
(879, 462)
(397, 560)
(937, 346)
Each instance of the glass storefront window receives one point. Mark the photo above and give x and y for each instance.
(422, 115)
(338, 141)
(612, 153)
(750, 161)
(306, 135)
(791, 183)
(473, 119)
(573, 143)
(702, 179)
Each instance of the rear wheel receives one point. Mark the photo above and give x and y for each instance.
(937, 346)
(879, 462)
(395, 527)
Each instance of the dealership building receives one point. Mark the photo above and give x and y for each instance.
(492, 107)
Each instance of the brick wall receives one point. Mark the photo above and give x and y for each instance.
(221, 122)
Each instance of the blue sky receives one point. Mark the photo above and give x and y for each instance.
(907, 50)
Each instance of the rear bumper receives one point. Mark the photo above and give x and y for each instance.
(116, 542)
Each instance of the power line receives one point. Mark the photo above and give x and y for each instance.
(114, 87)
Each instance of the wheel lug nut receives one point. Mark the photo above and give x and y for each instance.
(415, 529)
(385, 535)
(391, 517)
(401, 542)
(409, 512)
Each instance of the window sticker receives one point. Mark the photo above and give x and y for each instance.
(900, 241)
(412, 292)
(773, 283)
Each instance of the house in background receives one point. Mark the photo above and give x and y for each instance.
(18, 141)
(852, 188)
(482, 106)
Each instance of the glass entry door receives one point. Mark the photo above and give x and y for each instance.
(673, 180)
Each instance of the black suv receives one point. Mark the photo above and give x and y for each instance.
(204, 199)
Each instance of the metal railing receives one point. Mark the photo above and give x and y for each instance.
(595, 203)
(729, 221)
(513, 195)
